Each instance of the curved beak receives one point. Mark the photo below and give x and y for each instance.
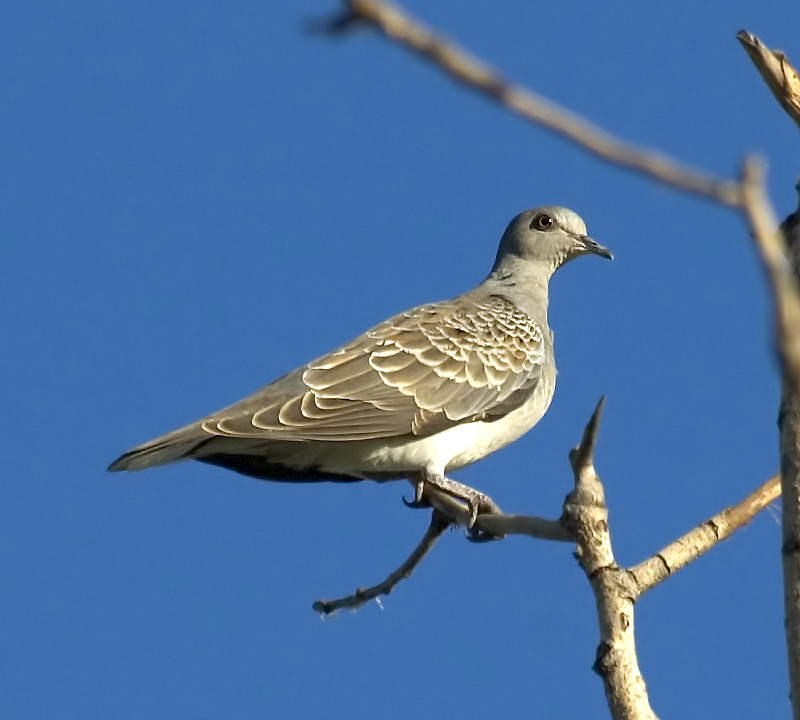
(595, 248)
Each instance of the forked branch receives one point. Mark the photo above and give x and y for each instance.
(584, 518)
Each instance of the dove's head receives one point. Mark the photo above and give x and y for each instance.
(546, 237)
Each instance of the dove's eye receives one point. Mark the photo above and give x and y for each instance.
(543, 222)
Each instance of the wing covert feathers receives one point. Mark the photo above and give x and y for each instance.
(418, 373)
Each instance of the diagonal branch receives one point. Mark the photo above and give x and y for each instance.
(399, 26)
(439, 523)
(698, 541)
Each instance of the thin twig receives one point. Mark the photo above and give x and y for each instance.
(585, 514)
(439, 523)
(401, 27)
(698, 541)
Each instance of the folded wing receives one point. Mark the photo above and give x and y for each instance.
(418, 373)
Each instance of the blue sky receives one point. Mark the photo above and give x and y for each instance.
(197, 197)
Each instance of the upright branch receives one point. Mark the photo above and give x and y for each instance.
(585, 514)
(780, 257)
(789, 424)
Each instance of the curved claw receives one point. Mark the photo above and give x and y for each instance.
(415, 504)
(479, 536)
(473, 515)
(486, 506)
(418, 502)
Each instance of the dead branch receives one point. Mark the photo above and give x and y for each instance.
(584, 517)
(497, 525)
(400, 27)
(789, 423)
(783, 280)
(698, 541)
(778, 250)
(585, 514)
(439, 523)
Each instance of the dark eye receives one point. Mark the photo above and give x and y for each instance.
(543, 222)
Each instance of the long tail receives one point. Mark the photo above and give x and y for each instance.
(181, 444)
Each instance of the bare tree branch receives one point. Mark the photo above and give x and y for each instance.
(585, 514)
(777, 256)
(533, 527)
(439, 523)
(789, 423)
(585, 518)
(698, 541)
(774, 255)
(616, 589)
(402, 28)
(497, 525)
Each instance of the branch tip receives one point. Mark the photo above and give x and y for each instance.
(582, 455)
(776, 70)
(335, 24)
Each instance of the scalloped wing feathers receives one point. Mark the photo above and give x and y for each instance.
(418, 373)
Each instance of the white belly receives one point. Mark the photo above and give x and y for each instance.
(448, 450)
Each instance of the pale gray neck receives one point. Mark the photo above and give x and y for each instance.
(523, 282)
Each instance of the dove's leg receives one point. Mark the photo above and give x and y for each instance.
(477, 501)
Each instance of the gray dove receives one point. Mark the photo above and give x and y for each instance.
(426, 392)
